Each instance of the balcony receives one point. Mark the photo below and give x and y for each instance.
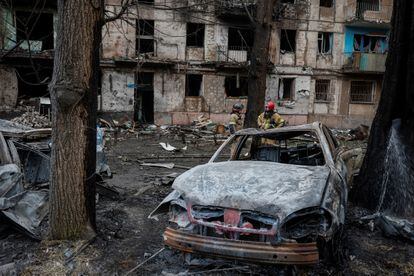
(235, 9)
(364, 13)
(358, 62)
(233, 54)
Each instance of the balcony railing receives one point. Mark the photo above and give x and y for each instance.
(366, 5)
(364, 62)
(235, 9)
(237, 54)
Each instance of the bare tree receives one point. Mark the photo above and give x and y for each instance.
(262, 25)
(386, 181)
(74, 98)
(74, 89)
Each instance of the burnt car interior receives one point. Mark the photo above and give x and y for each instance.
(297, 148)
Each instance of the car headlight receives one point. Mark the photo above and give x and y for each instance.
(306, 225)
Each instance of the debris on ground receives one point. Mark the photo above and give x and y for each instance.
(359, 133)
(125, 234)
(391, 226)
(168, 147)
(23, 208)
(204, 123)
(32, 118)
(165, 165)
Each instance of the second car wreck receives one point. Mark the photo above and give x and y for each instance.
(276, 197)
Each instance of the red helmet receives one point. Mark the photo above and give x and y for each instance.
(270, 106)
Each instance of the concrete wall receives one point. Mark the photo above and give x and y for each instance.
(8, 87)
(305, 64)
(117, 91)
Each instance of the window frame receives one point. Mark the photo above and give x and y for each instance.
(198, 31)
(321, 36)
(328, 92)
(373, 86)
(285, 32)
(327, 7)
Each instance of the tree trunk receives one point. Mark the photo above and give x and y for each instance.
(386, 182)
(259, 61)
(74, 100)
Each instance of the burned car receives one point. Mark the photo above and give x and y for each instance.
(275, 196)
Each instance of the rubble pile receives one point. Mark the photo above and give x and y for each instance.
(359, 133)
(33, 119)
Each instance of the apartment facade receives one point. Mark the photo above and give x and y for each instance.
(168, 62)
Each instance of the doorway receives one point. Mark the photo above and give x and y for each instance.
(144, 98)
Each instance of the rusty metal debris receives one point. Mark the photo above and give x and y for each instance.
(25, 176)
(285, 253)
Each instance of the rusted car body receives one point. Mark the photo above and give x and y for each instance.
(275, 196)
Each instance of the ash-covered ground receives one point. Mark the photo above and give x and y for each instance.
(126, 237)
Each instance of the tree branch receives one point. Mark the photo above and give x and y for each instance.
(124, 7)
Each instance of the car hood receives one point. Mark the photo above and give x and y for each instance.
(271, 188)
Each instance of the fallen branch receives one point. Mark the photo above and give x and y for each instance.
(219, 270)
(147, 260)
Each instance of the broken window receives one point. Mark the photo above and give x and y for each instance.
(145, 36)
(236, 86)
(322, 88)
(240, 39)
(361, 91)
(287, 40)
(286, 86)
(34, 30)
(193, 85)
(195, 35)
(370, 43)
(326, 3)
(325, 43)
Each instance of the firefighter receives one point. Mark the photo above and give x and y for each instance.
(270, 118)
(235, 122)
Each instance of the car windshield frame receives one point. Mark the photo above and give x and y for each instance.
(242, 136)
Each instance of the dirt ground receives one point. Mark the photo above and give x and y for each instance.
(126, 237)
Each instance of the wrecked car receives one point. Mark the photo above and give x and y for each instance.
(276, 196)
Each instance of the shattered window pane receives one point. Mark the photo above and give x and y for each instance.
(287, 40)
(325, 43)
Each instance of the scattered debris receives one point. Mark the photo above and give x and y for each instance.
(168, 147)
(25, 209)
(33, 119)
(104, 189)
(144, 262)
(164, 165)
(359, 133)
(203, 123)
(391, 226)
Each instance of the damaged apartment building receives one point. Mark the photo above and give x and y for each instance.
(169, 62)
